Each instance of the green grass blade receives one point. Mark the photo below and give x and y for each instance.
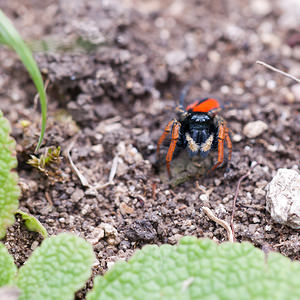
(10, 37)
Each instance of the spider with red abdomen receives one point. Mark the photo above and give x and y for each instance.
(199, 129)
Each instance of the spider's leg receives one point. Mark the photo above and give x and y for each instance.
(228, 142)
(175, 135)
(163, 136)
(221, 137)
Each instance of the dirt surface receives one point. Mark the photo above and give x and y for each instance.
(115, 73)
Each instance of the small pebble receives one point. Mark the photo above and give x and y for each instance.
(261, 7)
(77, 195)
(256, 220)
(203, 197)
(175, 57)
(125, 209)
(110, 264)
(268, 228)
(234, 67)
(109, 230)
(254, 129)
(34, 245)
(296, 91)
(237, 138)
(174, 239)
(96, 235)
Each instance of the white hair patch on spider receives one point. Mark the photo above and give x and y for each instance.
(194, 147)
(206, 146)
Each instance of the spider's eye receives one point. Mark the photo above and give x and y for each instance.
(200, 118)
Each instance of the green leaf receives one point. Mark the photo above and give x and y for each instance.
(200, 269)
(8, 269)
(10, 37)
(9, 191)
(56, 269)
(33, 224)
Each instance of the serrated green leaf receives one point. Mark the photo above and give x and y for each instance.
(56, 269)
(8, 269)
(9, 191)
(200, 269)
(10, 36)
(33, 224)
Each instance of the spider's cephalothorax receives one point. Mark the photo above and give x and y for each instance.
(199, 129)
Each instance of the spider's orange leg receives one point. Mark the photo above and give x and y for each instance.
(228, 142)
(221, 137)
(163, 136)
(175, 135)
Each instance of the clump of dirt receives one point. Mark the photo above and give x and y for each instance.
(116, 70)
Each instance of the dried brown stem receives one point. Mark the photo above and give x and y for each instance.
(223, 223)
(277, 70)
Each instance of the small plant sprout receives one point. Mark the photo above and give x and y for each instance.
(48, 163)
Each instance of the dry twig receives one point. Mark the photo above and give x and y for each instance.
(111, 176)
(113, 169)
(223, 223)
(201, 188)
(277, 70)
(82, 179)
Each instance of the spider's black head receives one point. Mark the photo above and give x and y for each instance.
(199, 133)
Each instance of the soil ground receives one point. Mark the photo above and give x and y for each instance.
(115, 71)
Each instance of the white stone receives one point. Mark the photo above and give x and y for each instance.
(96, 235)
(290, 13)
(203, 197)
(261, 7)
(254, 129)
(237, 138)
(234, 67)
(296, 91)
(283, 198)
(175, 57)
(109, 230)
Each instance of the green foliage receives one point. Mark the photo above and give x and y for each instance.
(200, 269)
(55, 270)
(33, 224)
(8, 269)
(9, 191)
(10, 37)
